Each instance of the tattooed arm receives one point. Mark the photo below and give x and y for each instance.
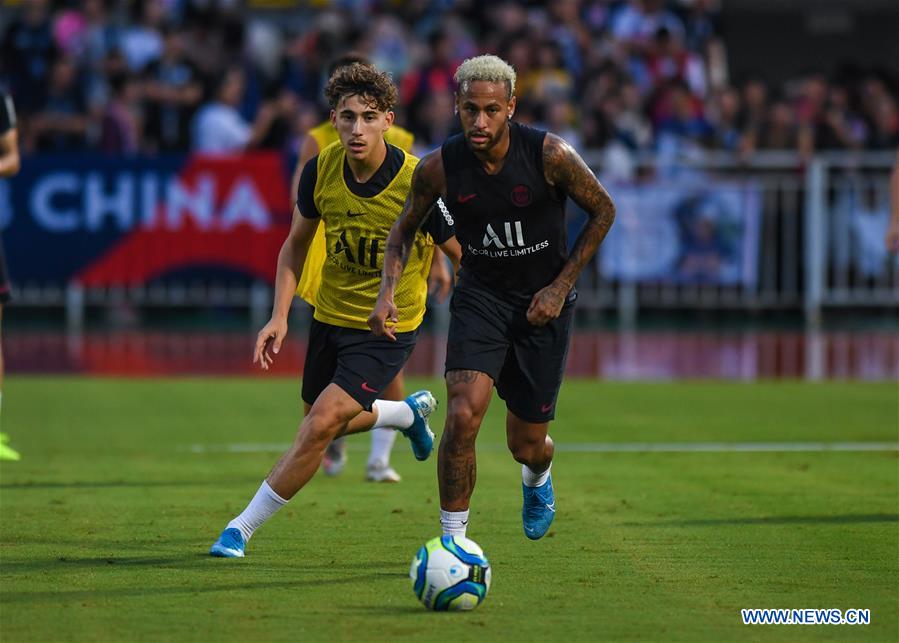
(564, 169)
(428, 182)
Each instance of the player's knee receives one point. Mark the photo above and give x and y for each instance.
(319, 428)
(526, 449)
(462, 418)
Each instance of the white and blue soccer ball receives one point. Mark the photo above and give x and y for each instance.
(450, 573)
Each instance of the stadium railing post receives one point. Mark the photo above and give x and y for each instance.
(815, 239)
(260, 304)
(74, 307)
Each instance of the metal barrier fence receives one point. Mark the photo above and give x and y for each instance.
(774, 232)
(820, 236)
(847, 214)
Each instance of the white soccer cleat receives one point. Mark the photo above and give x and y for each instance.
(335, 457)
(382, 474)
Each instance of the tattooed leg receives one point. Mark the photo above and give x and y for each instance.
(468, 395)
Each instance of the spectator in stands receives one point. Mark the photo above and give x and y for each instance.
(387, 44)
(120, 125)
(142, 42)
(702, 24)
(724, 117)
(172, 91)
(667, 60)
(884, 134)
(62, 123)
(508, 22)
(219, 128)
(551, 81)
(779, 130)
(100, 36)
(437, 121)
(583, 52)
(570, 33)
(69, 29)
(637, 22)
(871, 93)
(632, 127)
(214, 38)
(754, 106)
(435, 77)
(558, 118)
(283, 104)
(519, 52)
(601, 105)
(681, 124)
(28, 52)
(838, 126)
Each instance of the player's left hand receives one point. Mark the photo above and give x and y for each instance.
(547, 304)
(383, 318)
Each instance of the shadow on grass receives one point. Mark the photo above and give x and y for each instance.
(846, 519)
(197, 559)
(126, 484)
(96, 594)
(411, 609)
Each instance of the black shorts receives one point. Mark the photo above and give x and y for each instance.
(359, 362)
(526, 362)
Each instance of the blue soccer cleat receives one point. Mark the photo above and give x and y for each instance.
(538, 509)
(229, 545)
(420, 435)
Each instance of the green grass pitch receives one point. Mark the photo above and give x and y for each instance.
(124, 484)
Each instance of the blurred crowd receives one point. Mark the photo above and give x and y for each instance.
(155, 76)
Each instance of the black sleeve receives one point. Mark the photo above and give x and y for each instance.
(306, 191)
(439, 223)
(7, 113)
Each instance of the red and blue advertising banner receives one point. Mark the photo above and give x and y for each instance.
(105, 221)
(685, 233)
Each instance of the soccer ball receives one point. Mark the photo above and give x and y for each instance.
(450, 573)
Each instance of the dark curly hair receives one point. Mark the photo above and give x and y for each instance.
(374, 87)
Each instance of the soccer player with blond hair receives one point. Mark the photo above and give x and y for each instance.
(513, 306)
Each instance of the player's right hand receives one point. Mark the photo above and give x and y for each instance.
(383, 318)
(270, 337)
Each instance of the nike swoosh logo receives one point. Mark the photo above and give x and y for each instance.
(464, 522)
(467, 197)
(545, 408)
(355, 214)
(366, 387)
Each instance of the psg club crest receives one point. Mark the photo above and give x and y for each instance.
(521, 196)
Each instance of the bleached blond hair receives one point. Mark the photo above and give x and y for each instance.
(489, 68)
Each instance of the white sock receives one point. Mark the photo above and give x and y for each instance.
(262, 507)
(381, 443)
(531, 479)
(454, 523)
(394, 415)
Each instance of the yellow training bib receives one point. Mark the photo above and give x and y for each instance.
(324, 134)
(355, 233)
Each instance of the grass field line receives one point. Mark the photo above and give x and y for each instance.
(606, 447)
